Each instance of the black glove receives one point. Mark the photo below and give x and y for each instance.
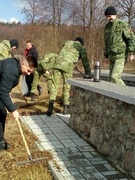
(87, 76)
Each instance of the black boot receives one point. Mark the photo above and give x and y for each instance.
(32, 96)
(50, 108)
(65, 109)
(27, 95)
(4, 145)
(40, 90)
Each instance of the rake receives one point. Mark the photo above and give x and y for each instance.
(79, 71)
(31, 160)
(22, 95)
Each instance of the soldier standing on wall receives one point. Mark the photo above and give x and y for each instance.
(119, 43)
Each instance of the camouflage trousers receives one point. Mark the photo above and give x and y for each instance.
(35, 82)
(116, 69)
(57, 74)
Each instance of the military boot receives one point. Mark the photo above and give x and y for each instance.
(4, 145)
(32, 96)
(65, 109)
(50, 108)
(40, 90)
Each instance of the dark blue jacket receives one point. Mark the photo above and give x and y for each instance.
(10, 71)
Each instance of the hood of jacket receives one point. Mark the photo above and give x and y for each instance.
(7, 44)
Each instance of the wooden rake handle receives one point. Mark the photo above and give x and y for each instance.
(79, 71)
(22, 95)
(24, 140)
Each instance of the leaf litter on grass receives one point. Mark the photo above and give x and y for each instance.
(17, 153)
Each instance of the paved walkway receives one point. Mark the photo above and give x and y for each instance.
(77, 159)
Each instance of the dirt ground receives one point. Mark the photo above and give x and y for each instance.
(17, 153)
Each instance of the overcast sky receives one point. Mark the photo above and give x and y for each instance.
(10, 10)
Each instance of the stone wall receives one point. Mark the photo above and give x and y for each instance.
(129, 79)
(104, 114)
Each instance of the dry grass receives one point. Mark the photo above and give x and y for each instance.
(17, 153)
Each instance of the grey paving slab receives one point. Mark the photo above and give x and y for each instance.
(77, 159)
(60, 137)
(42, 138)
(87, 154)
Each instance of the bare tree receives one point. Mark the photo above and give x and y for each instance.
(88, 15)
(83, 14)
(127, 10)
(32, 10)
(54, 12)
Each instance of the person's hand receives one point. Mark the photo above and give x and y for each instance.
(132, 57)
(87, 76)
(15, 114)
(47, 73)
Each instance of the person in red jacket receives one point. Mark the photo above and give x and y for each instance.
(31, 51)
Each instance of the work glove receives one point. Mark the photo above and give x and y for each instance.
(87, 76)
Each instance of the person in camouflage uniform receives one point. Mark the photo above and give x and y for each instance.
(63, 67)
(119, 43)
(45, 67)
(6, 48)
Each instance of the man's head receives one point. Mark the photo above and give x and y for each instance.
(81, 40)
(29, 44)
(14, 44)
(28, 64)
(111, 13)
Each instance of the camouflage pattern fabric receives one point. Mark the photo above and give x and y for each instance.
(116, 69)
(119, 42)
(56, 80)
(5, 50)
(44, 64)
(71, 52)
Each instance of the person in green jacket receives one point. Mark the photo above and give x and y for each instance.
(7, 47)
(45, 68)
(63, 67)
(119, 44)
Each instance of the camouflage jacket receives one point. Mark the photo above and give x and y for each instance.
(119, 40)
(46, 63)
(5, 50)
(71, 52)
